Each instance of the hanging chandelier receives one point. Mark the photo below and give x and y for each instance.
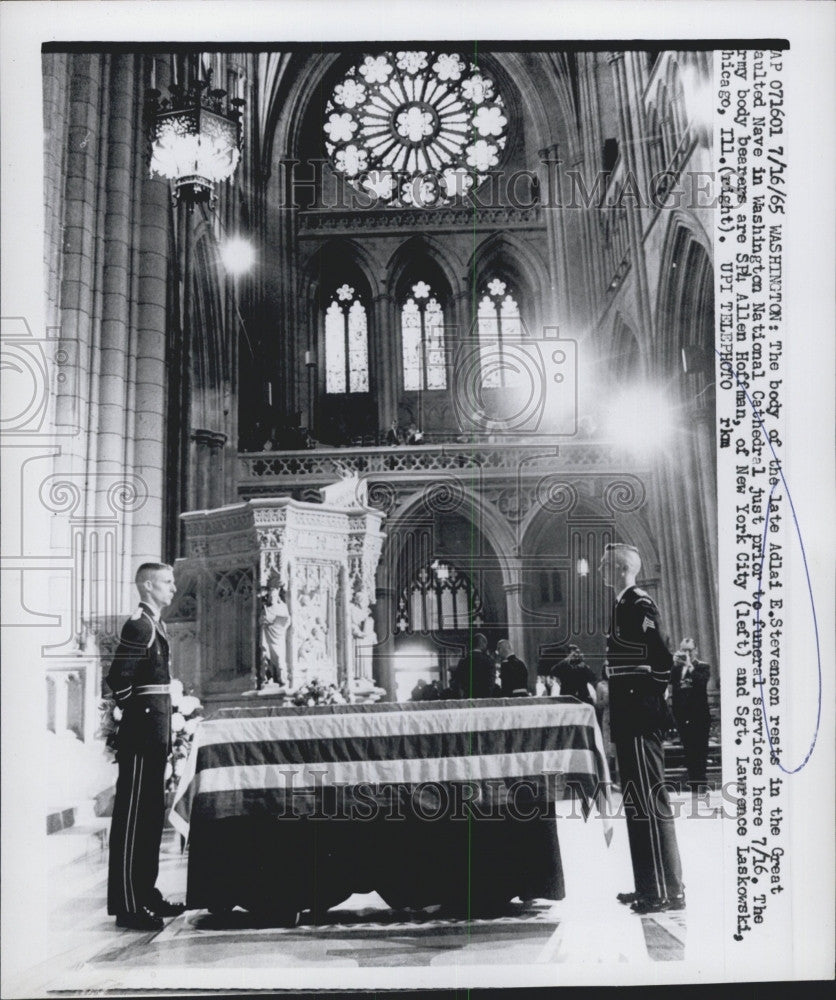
(195, 138)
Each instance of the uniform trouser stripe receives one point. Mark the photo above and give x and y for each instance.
(127, 881)
(644, 788)
(650, 825)
(136, 829)
(130, 839)
(653, 829)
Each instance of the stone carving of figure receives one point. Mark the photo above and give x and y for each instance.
(362, 623)
(275, 619)
(312, 629)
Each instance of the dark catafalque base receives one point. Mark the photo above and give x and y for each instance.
(281, 867)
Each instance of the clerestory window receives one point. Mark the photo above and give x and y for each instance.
(346, 343)
(422, 340)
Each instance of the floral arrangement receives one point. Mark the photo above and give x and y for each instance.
(109, 717)
(186, 713)
(317, 693)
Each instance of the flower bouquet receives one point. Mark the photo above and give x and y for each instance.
(317, 693)
(186, 713)
(109, 717)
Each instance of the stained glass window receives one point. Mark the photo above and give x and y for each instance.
(422, 339)
(415, 128)
(439, 598)
(346, 343)
(499, 323)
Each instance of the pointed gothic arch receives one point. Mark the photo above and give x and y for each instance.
(685, 301)
(625, 355)
(508, 258)
(424, 249)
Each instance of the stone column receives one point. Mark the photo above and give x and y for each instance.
(217, 453)
(78, 255)
(111, 307)
(207, 465)
(118, 224)
(290, 338)
(552, 190)
(514, 588)
(633, 161)
(591, 142)
(386, 369)
(463, 316)
(56, 112)
(585, 295)
(151, 375)
(464, 319)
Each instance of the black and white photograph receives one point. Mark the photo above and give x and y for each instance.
(408, 579)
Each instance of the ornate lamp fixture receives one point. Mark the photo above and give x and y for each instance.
(195, 138)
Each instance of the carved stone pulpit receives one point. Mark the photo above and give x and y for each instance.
(322, 559)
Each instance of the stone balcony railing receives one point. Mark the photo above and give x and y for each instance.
(396, 220)
(263, 472)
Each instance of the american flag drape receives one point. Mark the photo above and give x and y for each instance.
(494, 754)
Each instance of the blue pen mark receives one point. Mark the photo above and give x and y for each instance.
(727, 367)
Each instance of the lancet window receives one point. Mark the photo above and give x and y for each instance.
(499, 323)
(346, 343)
(422, 340)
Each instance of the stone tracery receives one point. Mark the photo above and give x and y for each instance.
(414, 127)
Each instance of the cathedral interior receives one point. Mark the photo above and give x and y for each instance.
(478, 281)
(461, 297)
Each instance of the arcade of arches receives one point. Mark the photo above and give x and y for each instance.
(486, 250)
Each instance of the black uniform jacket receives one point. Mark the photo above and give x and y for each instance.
(142, 660)
(474, 676)
(639, 667)
(513, 677)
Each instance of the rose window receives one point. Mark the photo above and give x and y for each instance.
(415, 128)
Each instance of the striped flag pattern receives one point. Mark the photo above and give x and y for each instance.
(291, 761)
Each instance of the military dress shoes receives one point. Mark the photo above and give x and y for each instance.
(628, 897)
(143, 920)
(658, 904)
(650, 904)
(165, 908)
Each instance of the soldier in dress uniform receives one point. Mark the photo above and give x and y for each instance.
(638, 672)
(140, 679)
(513, 673)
